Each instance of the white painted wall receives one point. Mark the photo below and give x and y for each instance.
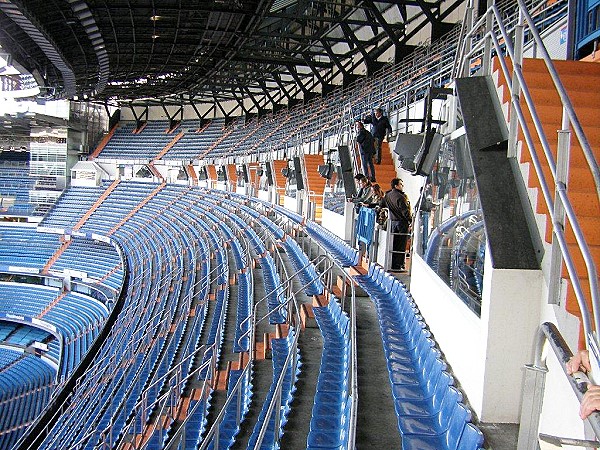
(336, 223)
(486, 355)
(458, 331)
(510, 316)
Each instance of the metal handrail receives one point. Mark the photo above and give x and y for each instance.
(548, 333)
(566, 101)
(353, 384)
(560, 188)
(282, 286)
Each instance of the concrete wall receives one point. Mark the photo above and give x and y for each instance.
(486, 354)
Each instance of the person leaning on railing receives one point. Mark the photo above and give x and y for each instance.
(580, 362)
(364, 191)
(396, 201)
(374, 197)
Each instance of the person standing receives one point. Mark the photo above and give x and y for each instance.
(381, 129)
(365, 145)
(400, 217)
(364, 191)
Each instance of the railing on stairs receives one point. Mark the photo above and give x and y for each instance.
(509, 44)
(535, 376)
(561, 205)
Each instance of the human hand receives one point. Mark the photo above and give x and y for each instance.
(590, 402)
(579, 362)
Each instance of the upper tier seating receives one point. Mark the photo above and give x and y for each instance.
(15, 184)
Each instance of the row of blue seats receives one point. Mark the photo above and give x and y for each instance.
(429, 409)
(235, 411)
(23, 247)
(21, 335)
(330, 421)
(26, 384)
(339, 250)
(307, 272)
(282, 353)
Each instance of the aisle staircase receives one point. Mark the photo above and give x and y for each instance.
(580, 80)
(385, 171)
(232, 176)
(279, 179)
(315, 183)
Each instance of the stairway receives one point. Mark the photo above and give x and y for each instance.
(103, 142)
(580, 80)
(386, 171)
(315, 183)
(232, 175)
(279, 179)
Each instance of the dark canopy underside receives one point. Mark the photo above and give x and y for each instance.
(180, 51)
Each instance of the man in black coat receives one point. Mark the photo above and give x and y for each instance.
(400, 217)
(381, 128)
(367, 150)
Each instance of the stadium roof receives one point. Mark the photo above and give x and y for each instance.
(194, 51)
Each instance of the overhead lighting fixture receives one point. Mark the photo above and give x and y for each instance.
(155, 36)
(155, 18)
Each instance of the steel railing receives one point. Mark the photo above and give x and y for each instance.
(561, 204)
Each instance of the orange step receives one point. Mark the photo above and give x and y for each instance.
(95, 206)
(581, 80)
(168, 147)
(103, 142)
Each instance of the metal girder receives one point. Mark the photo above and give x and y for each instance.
(389, 31)
(206, 50)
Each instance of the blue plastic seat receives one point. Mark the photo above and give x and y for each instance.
(471, 438)
(436, 422)
(448, 440)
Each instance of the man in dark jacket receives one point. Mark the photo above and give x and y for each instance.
(367, 150)
(381, 128)
(400, 217)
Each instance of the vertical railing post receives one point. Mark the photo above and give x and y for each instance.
(562, 177)
(531, 408)
(486, 64)
(464, 65)
(513, 121)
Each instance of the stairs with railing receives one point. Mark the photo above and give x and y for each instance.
(278, 178)
(385, 171)
(580, 80)
(316, 183)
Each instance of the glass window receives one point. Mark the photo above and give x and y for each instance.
(451, 235)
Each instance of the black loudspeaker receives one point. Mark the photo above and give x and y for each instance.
(345, 158)
(427, 155)
(202, 174)
(221, 174)
(326, 170)
(244, 170)
(407, 146)
(269, 172)
(349, 184)
(298, 170)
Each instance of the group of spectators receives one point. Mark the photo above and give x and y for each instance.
(369, 142)
(395, 201)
